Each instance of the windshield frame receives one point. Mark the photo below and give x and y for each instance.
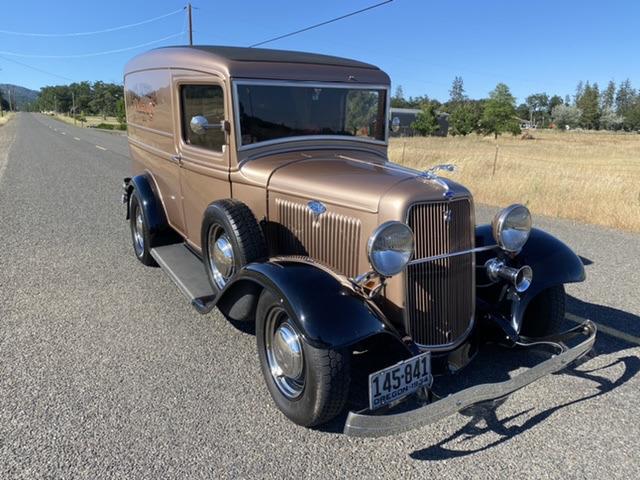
(312, 84)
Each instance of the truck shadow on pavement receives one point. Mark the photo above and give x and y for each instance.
(485, 418)
(486, 428)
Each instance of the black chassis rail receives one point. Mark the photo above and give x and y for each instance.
(367, 424)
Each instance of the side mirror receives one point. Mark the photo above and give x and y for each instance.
(199, 125)
(395, 124)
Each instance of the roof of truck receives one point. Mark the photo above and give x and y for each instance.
(249, 62)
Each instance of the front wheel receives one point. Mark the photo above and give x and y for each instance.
(309, 385)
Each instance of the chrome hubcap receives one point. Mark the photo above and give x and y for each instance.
(138, 229)
(284, 353)
(221, 257)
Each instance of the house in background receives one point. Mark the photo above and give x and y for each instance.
(408, 115)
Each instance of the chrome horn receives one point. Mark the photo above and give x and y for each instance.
(520, 278)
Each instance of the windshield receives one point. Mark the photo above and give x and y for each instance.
(271, 112)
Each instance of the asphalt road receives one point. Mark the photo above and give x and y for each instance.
(107, 372)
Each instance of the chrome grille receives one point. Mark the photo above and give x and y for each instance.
(330, 238)
(439, 294)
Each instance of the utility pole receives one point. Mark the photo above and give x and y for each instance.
(73, 106)
(190, 24)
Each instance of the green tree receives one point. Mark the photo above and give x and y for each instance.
(522, 111)
(632, 116)
(499, 114)
(465, 117)
(609, 96)
(579, 92)
(398, 100)
(610, 120)
(566, 116)
(120, 111)
(456, 92)
(625, 97)
(554, 102)
(426, 122)
(537, 104)
(589, 103)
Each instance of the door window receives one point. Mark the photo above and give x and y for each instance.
(206, 101)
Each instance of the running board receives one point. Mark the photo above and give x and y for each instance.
(185, 269)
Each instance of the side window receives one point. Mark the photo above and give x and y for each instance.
(207, 101)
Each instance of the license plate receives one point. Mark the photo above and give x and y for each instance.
(399, 380)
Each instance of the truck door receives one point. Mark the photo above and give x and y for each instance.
(204, 156)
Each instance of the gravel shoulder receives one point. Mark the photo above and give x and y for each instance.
(107, 372)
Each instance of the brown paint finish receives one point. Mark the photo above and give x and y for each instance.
(351, 176)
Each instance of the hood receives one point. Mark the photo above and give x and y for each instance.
(352, 180)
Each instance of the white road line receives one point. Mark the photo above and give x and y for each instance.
(606, 330)
(63, 133)
(99, 147)
(76, 138)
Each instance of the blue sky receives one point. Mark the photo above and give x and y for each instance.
(532, 46)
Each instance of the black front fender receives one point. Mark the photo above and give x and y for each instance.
(328, 311)
(553, 263)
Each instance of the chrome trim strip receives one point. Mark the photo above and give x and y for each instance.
(453, 254)
(283, 83)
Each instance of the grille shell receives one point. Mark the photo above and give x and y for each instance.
(440, 294)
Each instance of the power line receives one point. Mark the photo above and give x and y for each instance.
(37, 69)
(93, 54)
(95, 32)
(371, 7)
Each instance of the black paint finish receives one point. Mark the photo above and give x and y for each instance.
(153, 212)
(553, 262)
(328, 311)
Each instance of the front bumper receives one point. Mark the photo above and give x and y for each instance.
(364, 424)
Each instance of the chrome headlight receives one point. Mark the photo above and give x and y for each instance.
(390, 248)
(511, 227)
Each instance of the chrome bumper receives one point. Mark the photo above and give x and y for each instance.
(371, 425)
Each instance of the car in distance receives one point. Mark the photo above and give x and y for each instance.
(261, 185)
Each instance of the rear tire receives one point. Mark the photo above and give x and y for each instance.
(141, 237)
(319, 388)
(545, 313)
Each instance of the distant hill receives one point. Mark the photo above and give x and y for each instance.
(21, 95)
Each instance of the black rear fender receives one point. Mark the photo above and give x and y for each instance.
(144, 186)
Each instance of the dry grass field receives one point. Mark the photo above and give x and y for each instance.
(593, 177)
(92, 120)
(6, 117)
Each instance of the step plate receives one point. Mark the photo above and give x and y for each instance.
(185, 269)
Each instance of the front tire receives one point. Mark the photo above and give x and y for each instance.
(545, 313)
(309, 385)
(231, 238)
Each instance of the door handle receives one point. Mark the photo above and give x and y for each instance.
(177, 159)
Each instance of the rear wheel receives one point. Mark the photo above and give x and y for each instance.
(141, 236)
(309, 385)
(545, 313)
